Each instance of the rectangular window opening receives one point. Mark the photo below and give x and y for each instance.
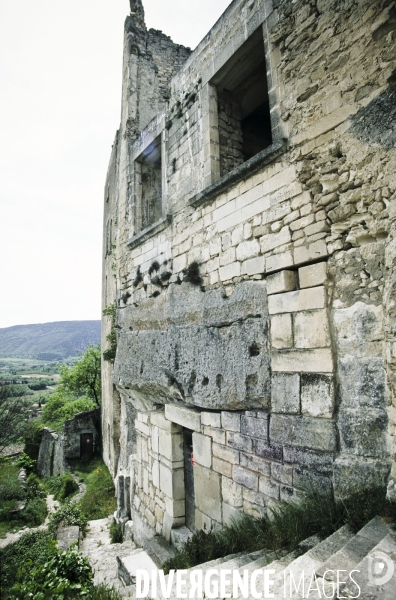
(148, 169)
(244, 120)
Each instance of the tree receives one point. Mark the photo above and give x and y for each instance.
(62, 405)
(12, 416)
(84, 378)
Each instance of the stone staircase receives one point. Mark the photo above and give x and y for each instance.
(313, 567)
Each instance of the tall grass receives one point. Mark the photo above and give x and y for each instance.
(284, 527)
(99, 500)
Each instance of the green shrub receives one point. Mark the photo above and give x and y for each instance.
(34, 487)
(33, 436)
(25, 462)
(62, 575)
(68, 514)
(11, 488)
(34, 512)
(115, 533)
(61, 486)
(31, 546)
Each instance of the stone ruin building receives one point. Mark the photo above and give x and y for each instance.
(250, 255)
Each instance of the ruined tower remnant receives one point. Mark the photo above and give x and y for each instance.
(250, 257)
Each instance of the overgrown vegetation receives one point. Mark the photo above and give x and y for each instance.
(83, 378)
(115, 533)
(284, 527)
(62, 406)
(67, 515)
(12, 415)
(33, 567)
(21, 504)
(110, 353)
(98, 501)
(33, 436)
(61, 486)
(192, 274)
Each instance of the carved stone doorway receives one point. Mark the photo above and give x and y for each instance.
(86, 445)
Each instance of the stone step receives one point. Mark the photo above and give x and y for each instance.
(268, 559)
(128, 565)
(159, 550)
(377, 573)
(212, 564)
(305, 566)
(354, 550)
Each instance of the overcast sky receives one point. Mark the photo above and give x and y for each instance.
(60, 68)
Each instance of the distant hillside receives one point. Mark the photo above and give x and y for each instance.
(48, 341)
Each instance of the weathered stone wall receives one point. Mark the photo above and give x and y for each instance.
(266, 294)
(56, 448)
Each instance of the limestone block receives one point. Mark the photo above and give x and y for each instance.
(254, 427)
(363, 432)
(217, 435)
(308, 299)
(254, 497)
(139, 426)
(319, 434)
(255, 463)
(284, 281)
(179, 263)
(321, 462)
(359, 330)
(303, 478)
(362, 382)
(239, 442)
(172, 482)
(285, 393)
(245, 477)
(202, 448)
(253, 266)
(207, 492)
(269, 487)
(317, 395)
(155, 439)
(279, 261)
(230, 271)
(282, 473)
(273, 240)
(354, 473)
(231, 420)
(186, 417)
(158, 419)
(231, 491)
(222, 467)
(305, 361)
(311, 329)
(155, 474)
(175, 508)
(213, 419)
(247, 250)
(171, 446)
(202, 521)
(230, 514)
(310, 252)
(268, 450)
(281, 331)
(227, 454)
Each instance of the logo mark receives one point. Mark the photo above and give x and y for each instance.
(380, 568)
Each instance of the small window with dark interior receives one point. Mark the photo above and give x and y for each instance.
(148, 181)
(243, 104)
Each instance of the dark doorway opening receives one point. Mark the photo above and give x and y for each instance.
(189, 479)
(244, 118)
(86, 445)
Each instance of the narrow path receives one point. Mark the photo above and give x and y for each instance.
(101, 553)
(10, 538)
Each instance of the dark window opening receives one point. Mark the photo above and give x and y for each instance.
(149, 186)
(86, 445)
(189, 479)
(243, 105)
